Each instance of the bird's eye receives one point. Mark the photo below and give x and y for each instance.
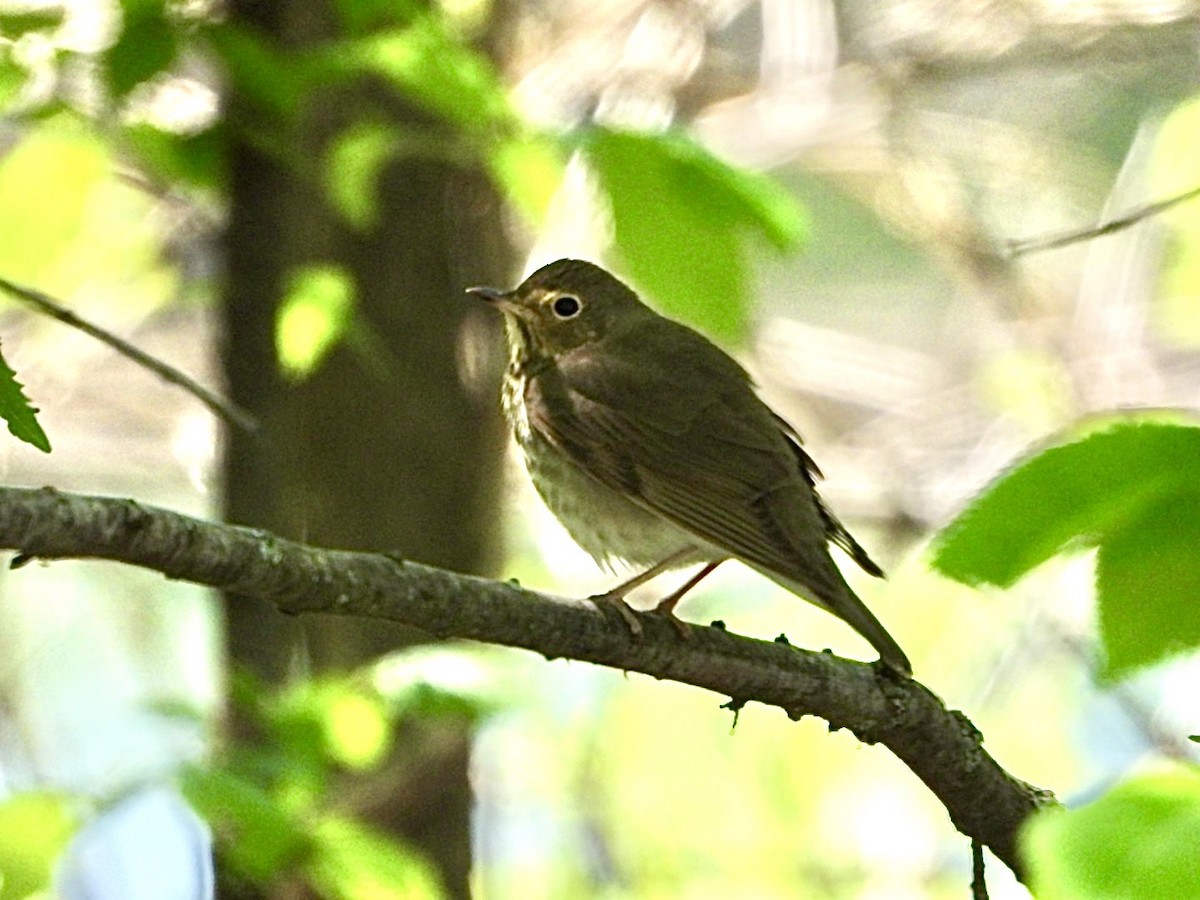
(567, 306)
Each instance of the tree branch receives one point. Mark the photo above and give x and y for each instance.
(940, 746)
(226, 409)
(1075, 235)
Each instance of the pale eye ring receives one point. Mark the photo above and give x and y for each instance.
(566, 306)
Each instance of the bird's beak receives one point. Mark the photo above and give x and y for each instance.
(491, 295)
(502, 300)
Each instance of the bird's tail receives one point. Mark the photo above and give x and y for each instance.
(869, 627)
(851, 610)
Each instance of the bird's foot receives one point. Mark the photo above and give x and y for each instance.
(616, 599)
(666, 609)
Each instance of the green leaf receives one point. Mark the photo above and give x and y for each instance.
(351, 861)
(1070, 496)
(34, 830)
(1137, 842)
(67, 166)
(529, 170)
(334, 720)
(316, 312)
(195, 159)
(435, 69)
(147, 45)
(258, 836)
(17, 411)
(13, 77)
(681, 217)
(363, 16)
(1148, 579)
(356, 158)
(357, 731)
(15, 24)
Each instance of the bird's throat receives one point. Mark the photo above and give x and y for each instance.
(526, 355)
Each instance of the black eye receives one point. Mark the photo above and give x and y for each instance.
(567, 306)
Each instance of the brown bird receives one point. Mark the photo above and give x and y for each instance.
(649, 444)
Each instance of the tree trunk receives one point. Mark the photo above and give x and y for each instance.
(402, 457)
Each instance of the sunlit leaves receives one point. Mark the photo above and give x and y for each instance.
(269, 800)
(528, 169)
(34, 829)
(1138, 842)
(1073, 494)
(260, 838)
(316, 311)
(1132, 491)
(335, 721)
(359, 17)
(39, 223)
(18, 412)
(681, 219)
(82, 234)
(17, 22)
(352, 861)
(1148, 580)
(435, 69)
(146, 46)
(192, 159)
(352, 170)
(263, 839)
(12, 77)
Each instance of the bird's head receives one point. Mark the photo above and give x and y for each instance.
(562, 306)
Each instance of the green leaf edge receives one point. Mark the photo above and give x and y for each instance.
(955, 545)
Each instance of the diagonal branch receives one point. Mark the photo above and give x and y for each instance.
(43, 302)
(1111, 226)
(939, 745)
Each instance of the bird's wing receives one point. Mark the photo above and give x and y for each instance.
(684, 434)
(835, 531)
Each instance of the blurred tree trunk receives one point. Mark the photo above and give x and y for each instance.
(398, 457)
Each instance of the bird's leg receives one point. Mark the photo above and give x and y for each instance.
(623, 589)
(666, 606)
(616, 596)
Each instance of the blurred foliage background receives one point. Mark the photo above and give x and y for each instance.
(288, 199)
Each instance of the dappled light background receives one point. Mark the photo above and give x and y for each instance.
(110, 676)
(919, 357)
(918, 345)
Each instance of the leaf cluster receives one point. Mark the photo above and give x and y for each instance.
(1129, 490)
(274, 798)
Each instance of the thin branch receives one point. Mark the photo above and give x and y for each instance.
(940, 746)
(227, 410)
(979, 889)
(1062, 239)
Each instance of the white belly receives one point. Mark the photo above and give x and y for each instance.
(606, 524)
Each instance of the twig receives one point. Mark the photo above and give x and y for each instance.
(940, 746)
(1062, 239)
(979, 889)
(228, 411)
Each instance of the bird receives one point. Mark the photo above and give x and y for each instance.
(651, 446)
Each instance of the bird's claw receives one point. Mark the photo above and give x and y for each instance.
(666, 610)
(624, 610)
(631, 620)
